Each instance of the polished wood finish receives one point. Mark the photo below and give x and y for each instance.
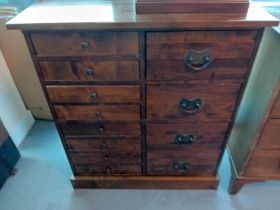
(96, 44)
(118, 89)
(94, 94)
(191, 6)
(101, 70)
(275, 113)
(270, 137)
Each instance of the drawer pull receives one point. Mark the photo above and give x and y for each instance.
(181, 166)
(190, 106)
(108, 170)
(103, 145)
(84, 45)
(89, 71)
(101, 129)
(105, 158)
(93, 95)
(97, 114)
(187, 139)
(198, 60)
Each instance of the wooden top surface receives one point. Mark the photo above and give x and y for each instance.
(120, 14)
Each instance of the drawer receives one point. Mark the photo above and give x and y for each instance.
(182, 136)
(102, 163)
(76, 128)
(270, 137)
(264, 163)
(191, 101)
(85, 43)
(180, 163)
(276, 108)
(98, 112)
(199, 54)
(90, 71)
(94, 94)
(105, 145)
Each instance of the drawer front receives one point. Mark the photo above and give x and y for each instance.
(85, 43)
(74, 128)
(191, 101)
(106, 145)
(264, 163)
(270, 138)
(182, 55)
(90, 71)
(180, 163)
(276, 109)
(91, 112)
(102, 163)
(94, 94)
(182, 136)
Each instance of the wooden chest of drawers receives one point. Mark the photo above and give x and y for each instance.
(138, 106)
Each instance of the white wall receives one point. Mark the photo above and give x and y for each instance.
(15, 117)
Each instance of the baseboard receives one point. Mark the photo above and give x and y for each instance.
(22, 128)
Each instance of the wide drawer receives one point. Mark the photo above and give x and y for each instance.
(191, 101)
(182, 136)
(98, 112)
(276, 108)
(199, 163)
(90, 70)
(79, 128)
(85, 43)
(105, 145)
(199, 54)
(94, 94)
(270, 137)
(264, 163)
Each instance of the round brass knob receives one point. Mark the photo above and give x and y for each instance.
(89, 71)
(84, 45)
(97, 114)
(93, 95)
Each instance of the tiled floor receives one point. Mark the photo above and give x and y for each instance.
(42, 183)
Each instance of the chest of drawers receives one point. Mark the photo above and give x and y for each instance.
(139, 106)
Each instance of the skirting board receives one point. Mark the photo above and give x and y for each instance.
(22, 128)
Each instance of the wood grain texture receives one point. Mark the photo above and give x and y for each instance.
(218, 101)
(270, 137)
(95, 128)
(191, 6)
(275, 113)
(94, 94)
(99, 43)
(121, 14)
(145, 182)
(102, 70)
(89, 112)
(163, 136)
(264, 163)
(201, 163)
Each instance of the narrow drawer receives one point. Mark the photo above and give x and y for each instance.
(90, 70)
(270, 137)
(264, 163)
(94, 94)
(276, 108)
(105, 145)
(99, 112)
(199, 54)
(191, 101)
(180, 163)
(76, 128)
(182, 136)
(100, 163)
(85, 43)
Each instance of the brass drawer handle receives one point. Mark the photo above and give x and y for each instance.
(93, 95)
(185, 139)
(108, 170)
(101, 129)
(198, 60)
(89, 72)
(181, 165)
(97, 114)
(190, 106)
(85, 45)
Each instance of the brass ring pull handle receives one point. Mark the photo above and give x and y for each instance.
(185, 139)
(181, 166)
(198, 60)
(190, 106)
